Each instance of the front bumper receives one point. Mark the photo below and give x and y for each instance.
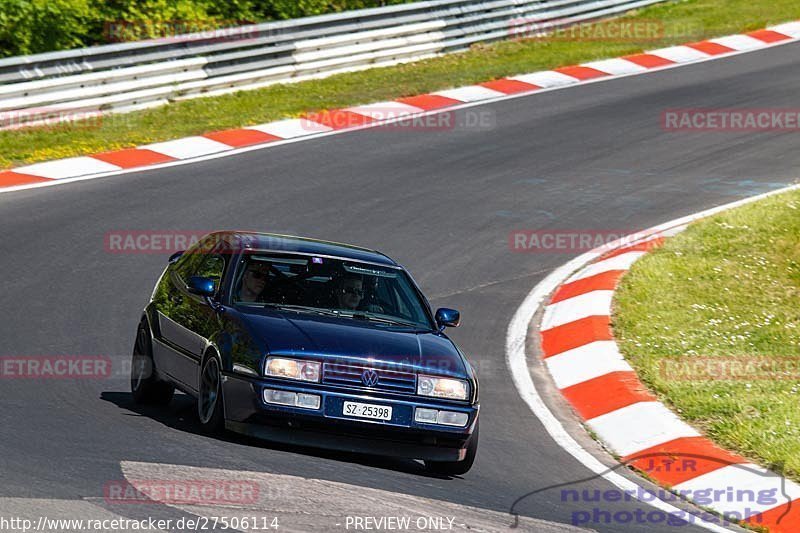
(327, 427)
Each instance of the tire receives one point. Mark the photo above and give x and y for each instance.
(146, 388)
(456, 468)
(210, 405)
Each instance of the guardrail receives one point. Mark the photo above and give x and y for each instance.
(135, 75)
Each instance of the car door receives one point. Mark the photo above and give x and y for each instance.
(186, 321)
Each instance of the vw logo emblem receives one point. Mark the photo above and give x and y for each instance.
(369, 378)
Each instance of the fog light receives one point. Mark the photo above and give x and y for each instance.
(308, 401)
(425, 416)
(451, 418)
(292, 399)
(442, 418)
(280, 397)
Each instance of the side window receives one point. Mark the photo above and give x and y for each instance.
(188, 264)
(203, 259)
(385, 296)
(212, 267)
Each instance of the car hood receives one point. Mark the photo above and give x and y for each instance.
(352, 341)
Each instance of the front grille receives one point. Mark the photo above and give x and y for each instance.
(350, 376)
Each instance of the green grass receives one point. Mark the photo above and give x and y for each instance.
(727, 288)
(683, 21)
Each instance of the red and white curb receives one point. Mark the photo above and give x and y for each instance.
(327, 122)
(581, 355)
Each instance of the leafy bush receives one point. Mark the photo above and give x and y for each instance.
(31, 26)
(288, 9)
(34, 26)
(123, 20)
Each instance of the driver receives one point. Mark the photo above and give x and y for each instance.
(253, 281)
(350, 291)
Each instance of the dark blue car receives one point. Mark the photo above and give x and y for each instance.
(311, 343)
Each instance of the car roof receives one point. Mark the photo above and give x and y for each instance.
(258, 241)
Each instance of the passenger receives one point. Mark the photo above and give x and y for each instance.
(349, 291)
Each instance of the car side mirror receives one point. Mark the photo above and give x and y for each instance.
(447, 318)
(201, 286)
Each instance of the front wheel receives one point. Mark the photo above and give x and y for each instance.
(146, 388)
(457, 468)
(210, 407)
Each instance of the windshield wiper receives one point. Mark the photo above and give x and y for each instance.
(301, 308)
(373, 318)
(332, 312)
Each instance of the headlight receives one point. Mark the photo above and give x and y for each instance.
(453, 389)
(281, 367)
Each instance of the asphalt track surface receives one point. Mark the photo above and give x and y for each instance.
(442, 203)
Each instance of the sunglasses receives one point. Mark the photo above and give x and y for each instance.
(353, 291)
(257, 274)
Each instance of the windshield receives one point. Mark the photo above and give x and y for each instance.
(334, 287)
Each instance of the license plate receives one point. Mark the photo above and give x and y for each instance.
(365, 410)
